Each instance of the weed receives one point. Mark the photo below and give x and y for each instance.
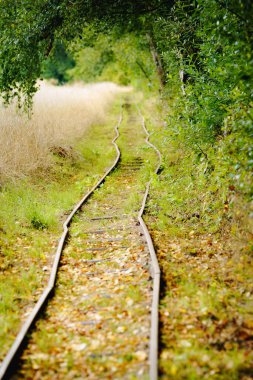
(38, 224)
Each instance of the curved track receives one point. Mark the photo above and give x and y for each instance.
(109, 247)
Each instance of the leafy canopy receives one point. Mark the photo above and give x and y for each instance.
(29, 29)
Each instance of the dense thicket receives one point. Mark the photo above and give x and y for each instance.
(212, 45)
(209, 43)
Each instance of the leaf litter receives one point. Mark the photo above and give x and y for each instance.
(98, 323)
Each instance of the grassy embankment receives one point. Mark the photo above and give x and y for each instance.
(201, 222)
(47, 164)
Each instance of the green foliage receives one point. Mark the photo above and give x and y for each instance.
(124, 60)
(28, 31)
(26, 37)
(58, 64)
(211, 42)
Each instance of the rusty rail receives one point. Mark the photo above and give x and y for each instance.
(154, 333)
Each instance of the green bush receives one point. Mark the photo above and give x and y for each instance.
(211, 42)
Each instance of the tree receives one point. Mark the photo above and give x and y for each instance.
(28, 31)
(58, 64)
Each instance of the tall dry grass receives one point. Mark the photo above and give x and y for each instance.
(60, 116)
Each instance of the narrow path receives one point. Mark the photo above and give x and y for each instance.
(97, 326)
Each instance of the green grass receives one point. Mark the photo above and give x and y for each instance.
(31, 216)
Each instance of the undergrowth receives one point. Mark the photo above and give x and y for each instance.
(200, 215)
(200, 210)
(31, 217)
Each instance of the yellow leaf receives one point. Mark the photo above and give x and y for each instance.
(141, 355)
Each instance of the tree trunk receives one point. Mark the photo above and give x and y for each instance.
(157, 60)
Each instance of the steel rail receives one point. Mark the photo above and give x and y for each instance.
(156, 273)
(10, 359)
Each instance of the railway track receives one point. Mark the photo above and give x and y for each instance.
(102, 321)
